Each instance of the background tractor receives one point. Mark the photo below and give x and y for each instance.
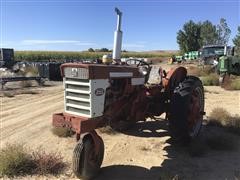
(207, 55)
(97, 95)
(228, 65)
(210, 54)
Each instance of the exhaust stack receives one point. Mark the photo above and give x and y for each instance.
(225, 50)
(117, 37)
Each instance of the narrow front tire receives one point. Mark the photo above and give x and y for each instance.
(87, 162)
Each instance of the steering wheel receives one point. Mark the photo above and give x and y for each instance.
(143, 67)
(137, 63)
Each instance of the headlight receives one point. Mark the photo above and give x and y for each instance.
(143, 70)
(215, 63)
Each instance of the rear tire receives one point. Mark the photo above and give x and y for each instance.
(86, 164)
(186, 110)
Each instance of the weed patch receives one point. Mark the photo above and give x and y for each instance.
(16, 160)
(219, 117)
(62, 131)
(232, 84)
(222, 118)
(107, 130)
(47, 163)
(210, 80)
(200, 71)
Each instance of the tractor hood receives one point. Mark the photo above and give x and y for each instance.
(99, 71)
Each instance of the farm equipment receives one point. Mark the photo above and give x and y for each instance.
(6, 57)
(179, 58)
(174, 59)
(192, 55)
(228, 64)
(97, 95)
(189, 56)
(46, 70)
(210, 54)
(4, 80)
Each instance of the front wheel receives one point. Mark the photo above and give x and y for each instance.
(86, 162)
(186, 109)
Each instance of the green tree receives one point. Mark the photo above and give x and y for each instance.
(189, 37)
(223, 32)
(90, 50)
(104, 50)
(236, 39)
(209, 33)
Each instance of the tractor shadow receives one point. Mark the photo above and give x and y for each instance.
(127, 172)
(157, 128)
(178, 162)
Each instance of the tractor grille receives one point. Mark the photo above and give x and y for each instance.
(77, 96)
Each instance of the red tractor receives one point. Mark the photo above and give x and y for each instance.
(97, 95)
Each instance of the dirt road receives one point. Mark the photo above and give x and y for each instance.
(142, 153)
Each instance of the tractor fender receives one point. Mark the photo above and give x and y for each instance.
(174, 77)
(97, 140)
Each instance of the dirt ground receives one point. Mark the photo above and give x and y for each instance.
(142, 153)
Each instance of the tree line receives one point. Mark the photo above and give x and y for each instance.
(195, 35)
(102, 50)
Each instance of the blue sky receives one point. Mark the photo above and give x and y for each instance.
(78, 25)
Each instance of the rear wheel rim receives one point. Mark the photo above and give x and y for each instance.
(195, 117)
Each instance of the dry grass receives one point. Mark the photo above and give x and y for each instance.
(206, 73)
(235, 84)
(14, 160)
(199, 71)
(107, 130)
(221, 117)
(222, 137)
(48, 163)
(232, 84)
(62, 131)
(194, 71)
(210, 80)
(17, 160)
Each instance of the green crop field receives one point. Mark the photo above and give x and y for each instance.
(74, 55)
